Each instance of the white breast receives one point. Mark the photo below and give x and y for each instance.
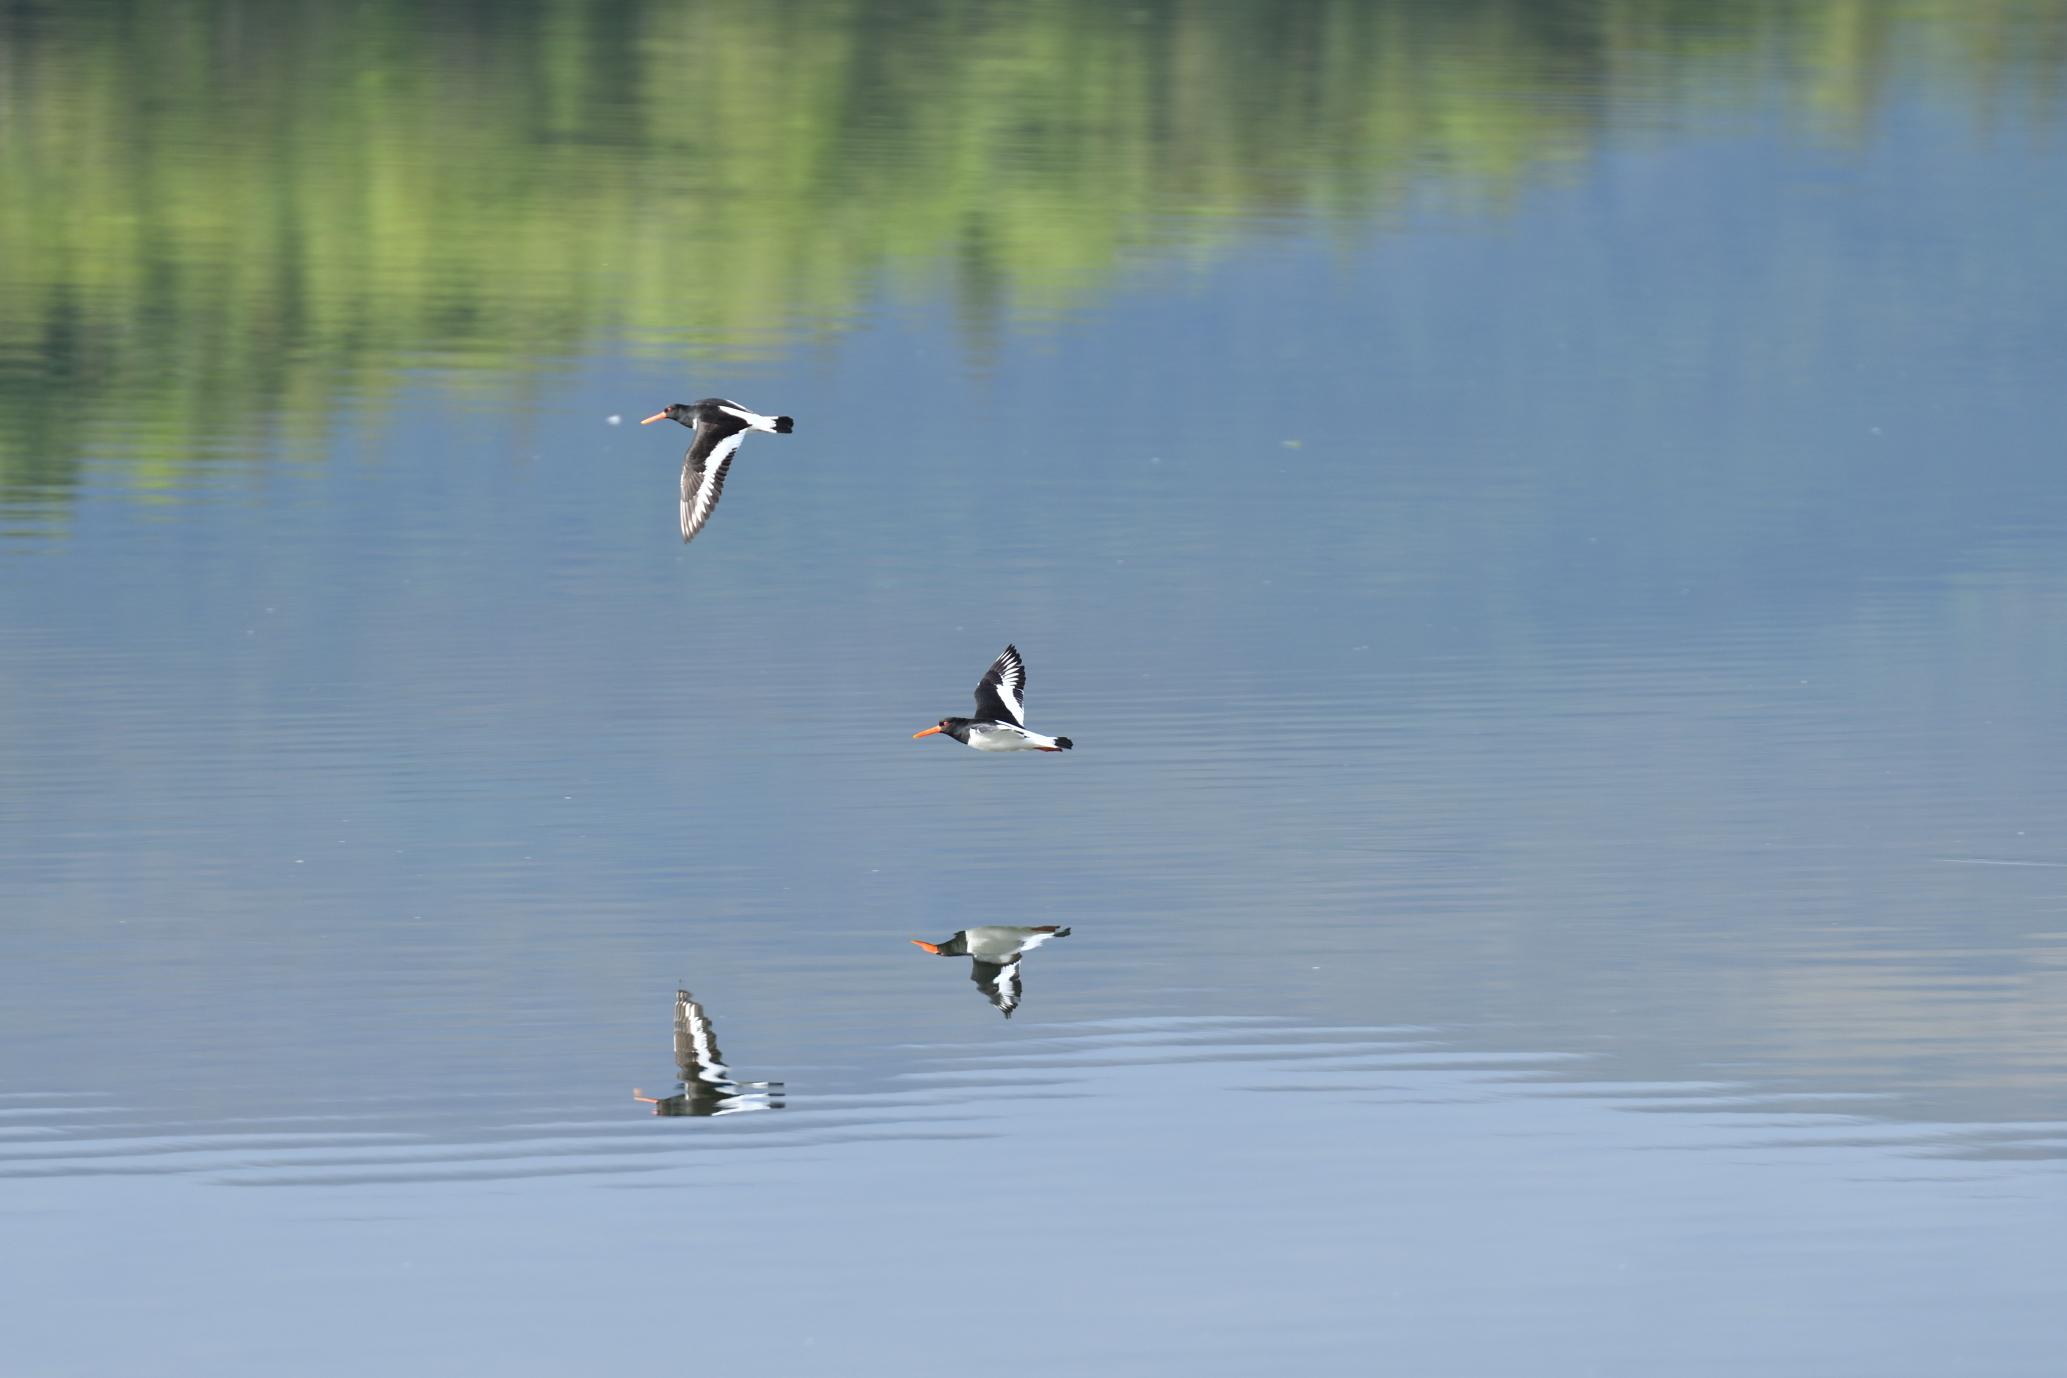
(1004, 737)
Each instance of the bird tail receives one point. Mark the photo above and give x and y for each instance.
(1064, 743)
(784, 425)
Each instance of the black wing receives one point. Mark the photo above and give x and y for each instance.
(697, 1059)
(703, 470)
(1001, 697)
(999, 982)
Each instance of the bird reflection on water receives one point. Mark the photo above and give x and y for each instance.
(704, 1084)
(994, 951)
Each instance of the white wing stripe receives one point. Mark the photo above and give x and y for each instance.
(1011, 686)
(700, 501)
(752, 418)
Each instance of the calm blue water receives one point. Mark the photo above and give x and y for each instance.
(1562, 625)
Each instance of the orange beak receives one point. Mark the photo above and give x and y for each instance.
(927, 733)
(657, 416)
(933, 948)
(637, 1095)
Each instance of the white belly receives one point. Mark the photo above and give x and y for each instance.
(1004, 737)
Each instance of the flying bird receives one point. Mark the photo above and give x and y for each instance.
(1000, 721)
(720, 426)
(704, 1085)
(994, 951)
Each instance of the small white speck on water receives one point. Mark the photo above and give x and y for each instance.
(613, 421)
(1155, 459)
(297, 861)
(1289, 444)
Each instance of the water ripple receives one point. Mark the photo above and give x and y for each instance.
(956, 1091)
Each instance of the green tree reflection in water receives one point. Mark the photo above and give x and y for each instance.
(224, 220)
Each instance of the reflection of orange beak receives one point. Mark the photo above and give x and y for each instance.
(933, 948)
(657, 416)
(927, 733)
(648, 1099)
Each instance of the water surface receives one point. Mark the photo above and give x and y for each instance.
(1544, 525)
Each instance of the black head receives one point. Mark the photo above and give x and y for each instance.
(954, 727)
(956, 946)
(689, 413)
(683, 413)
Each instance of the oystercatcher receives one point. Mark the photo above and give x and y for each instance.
(704, 1084)
(720, 426)
(1000, 721)
(994, 951)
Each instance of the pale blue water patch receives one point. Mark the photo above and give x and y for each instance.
(1328, 1203)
